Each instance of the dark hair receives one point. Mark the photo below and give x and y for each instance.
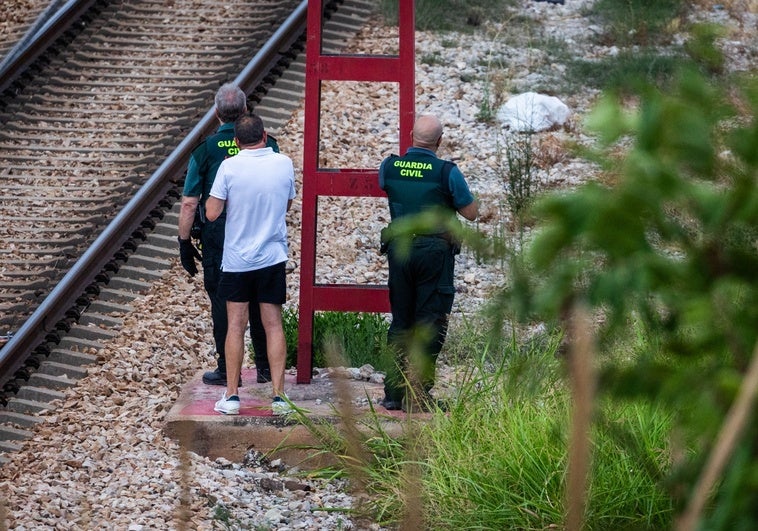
(248, 129)
(231, 102)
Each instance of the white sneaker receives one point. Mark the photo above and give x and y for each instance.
(228, 406)
(281, 407)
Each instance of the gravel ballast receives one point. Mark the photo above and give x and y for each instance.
(102, 460)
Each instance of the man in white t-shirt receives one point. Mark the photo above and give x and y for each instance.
(256, 187)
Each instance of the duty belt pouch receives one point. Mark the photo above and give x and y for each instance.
(384, 240)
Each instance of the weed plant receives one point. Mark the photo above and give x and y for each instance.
(466, 339)
(642, 30)
(522, 184)
(487, 109)
(361, 336)
(520, 175)
(496, 85)
(495, 88)
(500, 462)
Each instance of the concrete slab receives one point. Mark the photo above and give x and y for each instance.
(206, 432)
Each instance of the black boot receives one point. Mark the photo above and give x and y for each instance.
(393, 397)
(214, 378)
(217, 377)
(391, 405)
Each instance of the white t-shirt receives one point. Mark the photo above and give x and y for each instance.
(256, 185)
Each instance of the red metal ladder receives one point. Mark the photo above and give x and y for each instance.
(318, 182)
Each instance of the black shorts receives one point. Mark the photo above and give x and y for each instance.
(267, 285)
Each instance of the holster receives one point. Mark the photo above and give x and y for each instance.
(197, 223)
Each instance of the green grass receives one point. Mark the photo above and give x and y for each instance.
(449, 15)
(498, 458)
(432, 59)
(625, 71)
(636, 22)
(361, 338)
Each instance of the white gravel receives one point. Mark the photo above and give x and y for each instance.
(103, 462)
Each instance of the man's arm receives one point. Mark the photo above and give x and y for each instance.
(460, 191)
(187, 252)
(187, 216)
(213, 208)
(470, 211)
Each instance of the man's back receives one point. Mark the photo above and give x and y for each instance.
(415, 183)
(257, 185)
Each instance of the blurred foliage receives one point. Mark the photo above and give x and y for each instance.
(670, 251)
(702, 47)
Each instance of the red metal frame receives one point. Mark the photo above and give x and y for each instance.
(344, 182)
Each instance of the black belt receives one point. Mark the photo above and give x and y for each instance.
(442, 236)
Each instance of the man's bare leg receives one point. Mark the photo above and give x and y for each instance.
(271, 315)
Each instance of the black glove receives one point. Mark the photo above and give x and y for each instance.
(187, 255)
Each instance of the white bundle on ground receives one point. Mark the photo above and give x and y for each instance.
(531, 112)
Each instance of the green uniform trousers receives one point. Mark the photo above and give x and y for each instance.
(421, 298)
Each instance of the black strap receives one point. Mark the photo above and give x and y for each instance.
(447, 167)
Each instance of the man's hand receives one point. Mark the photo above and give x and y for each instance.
(187, 255)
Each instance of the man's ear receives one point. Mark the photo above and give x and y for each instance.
(236, 141)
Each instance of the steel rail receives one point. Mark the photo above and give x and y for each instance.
(50, 24)
(64, 296)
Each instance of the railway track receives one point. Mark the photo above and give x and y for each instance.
(18, 22)
(96, 136)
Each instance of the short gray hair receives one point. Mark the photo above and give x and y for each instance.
(231, 102)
